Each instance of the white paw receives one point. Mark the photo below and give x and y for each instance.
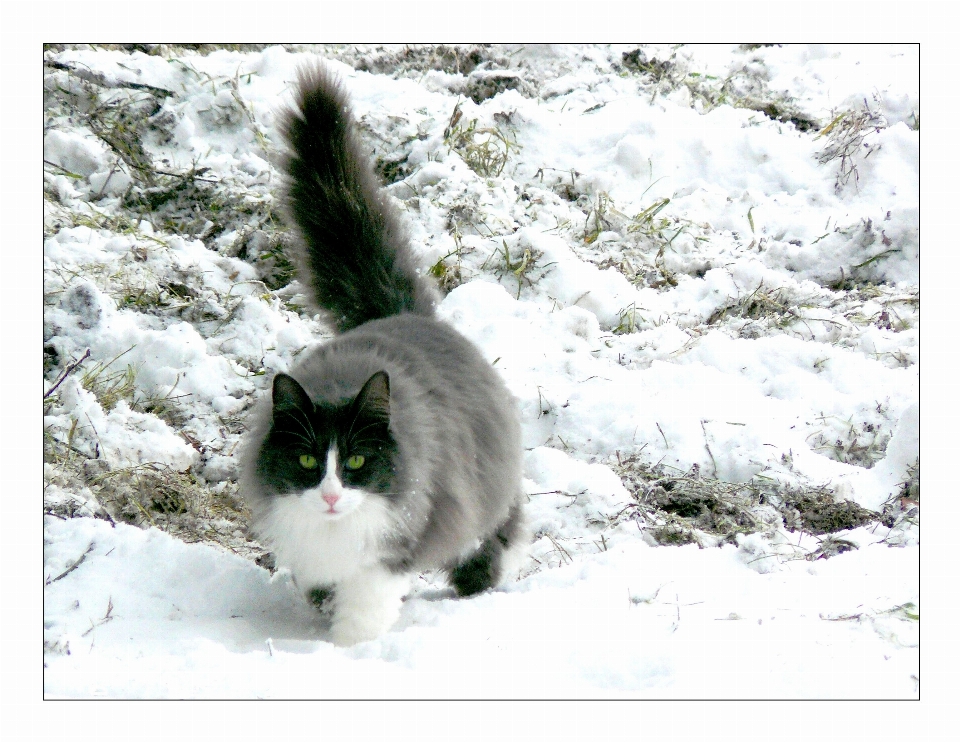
(367, 606)
(348, 631)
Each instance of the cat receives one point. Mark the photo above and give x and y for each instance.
(395, 447)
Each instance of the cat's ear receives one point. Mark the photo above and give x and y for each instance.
(374, 398)
(289, 395)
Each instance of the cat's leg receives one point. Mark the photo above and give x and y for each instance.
(321, 598)
(367, 605)
(514, 535)
(497, 558)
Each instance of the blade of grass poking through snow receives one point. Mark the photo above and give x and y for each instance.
(648, 213)
(110, 388)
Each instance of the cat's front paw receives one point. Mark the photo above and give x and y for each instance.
(367, 606)
(348, 633)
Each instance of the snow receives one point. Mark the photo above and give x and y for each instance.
(721, 335)
(191, 621)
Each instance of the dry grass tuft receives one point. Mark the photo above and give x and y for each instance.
(689, 508)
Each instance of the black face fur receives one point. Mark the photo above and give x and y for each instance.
(358, 427)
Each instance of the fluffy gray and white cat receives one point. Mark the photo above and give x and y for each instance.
(395, 447)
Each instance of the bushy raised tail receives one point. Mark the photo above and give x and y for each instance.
(354, 255)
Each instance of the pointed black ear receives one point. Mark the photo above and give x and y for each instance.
(374, 398)
(289, 395)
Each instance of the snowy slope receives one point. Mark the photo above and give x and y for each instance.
(697, 270)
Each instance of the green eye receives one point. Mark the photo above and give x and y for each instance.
(308, 462)
(354, 462)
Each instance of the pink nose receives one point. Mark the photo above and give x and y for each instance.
(331, 500)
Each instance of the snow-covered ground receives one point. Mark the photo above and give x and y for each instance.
(697, 269)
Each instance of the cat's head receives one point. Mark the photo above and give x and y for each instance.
(330, 456)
